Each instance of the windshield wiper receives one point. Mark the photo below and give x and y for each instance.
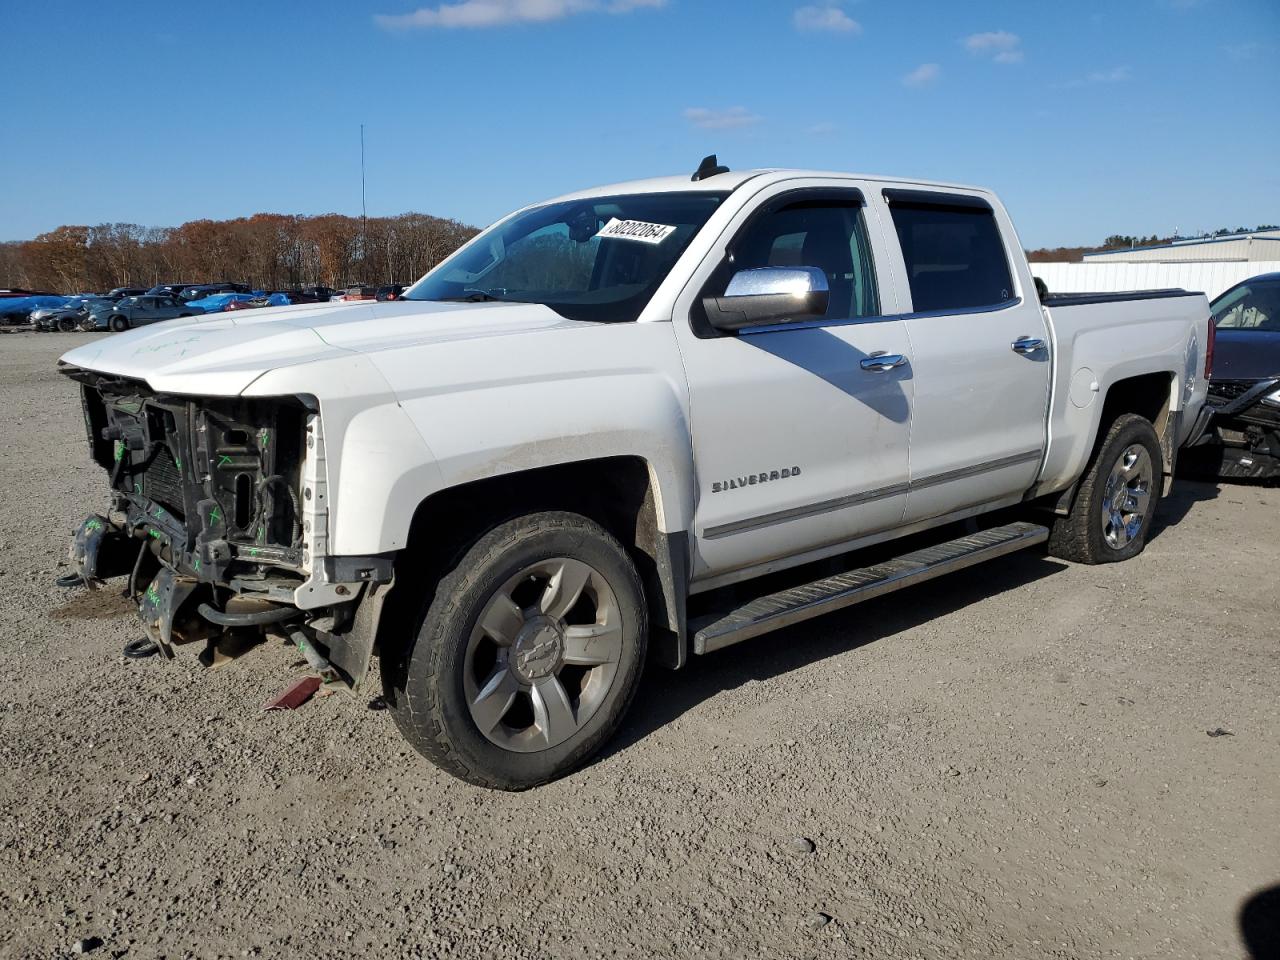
(472, 296)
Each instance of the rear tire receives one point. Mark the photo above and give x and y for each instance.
(1117, 498)
(527, 656)
(119, 324)
(66, 325)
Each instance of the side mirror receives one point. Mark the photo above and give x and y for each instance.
(767, 295)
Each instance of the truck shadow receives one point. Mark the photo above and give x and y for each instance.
(1260, 924)
(1173, 508)
(664, 696)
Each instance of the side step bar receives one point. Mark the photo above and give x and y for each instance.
(790, 606)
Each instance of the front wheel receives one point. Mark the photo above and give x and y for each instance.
(1117, 499)
(527, 656)
(119, 324)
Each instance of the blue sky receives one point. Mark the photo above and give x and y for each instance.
(1089, 118)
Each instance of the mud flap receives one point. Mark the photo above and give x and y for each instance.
(160, 603)
(100, 551)
(351, 651)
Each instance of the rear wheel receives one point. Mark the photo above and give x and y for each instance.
(119, 324)
(66, 324)
(528, 655)
(1117, 499)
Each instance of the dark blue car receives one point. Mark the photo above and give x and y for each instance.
(1244, 390)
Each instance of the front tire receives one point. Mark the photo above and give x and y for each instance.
(119, 324)
(1117, 499)
(527, 656)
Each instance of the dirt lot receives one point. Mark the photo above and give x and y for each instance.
(1010, 762)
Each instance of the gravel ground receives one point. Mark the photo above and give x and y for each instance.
(1014, 761)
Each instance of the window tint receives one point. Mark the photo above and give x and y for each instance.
(954, 256)
(1249, 307)
(822, 233)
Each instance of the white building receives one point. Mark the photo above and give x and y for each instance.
(1233, 248)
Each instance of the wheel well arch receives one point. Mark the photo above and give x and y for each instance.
(1149, 395)
(620, 493)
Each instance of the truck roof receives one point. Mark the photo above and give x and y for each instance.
(735, 178)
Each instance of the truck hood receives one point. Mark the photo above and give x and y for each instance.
(221, 354)
(1246, 355)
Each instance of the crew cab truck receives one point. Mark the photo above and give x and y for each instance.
(621, 425)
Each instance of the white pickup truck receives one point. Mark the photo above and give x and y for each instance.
(623, 425)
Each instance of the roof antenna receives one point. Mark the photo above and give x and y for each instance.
(709, 167)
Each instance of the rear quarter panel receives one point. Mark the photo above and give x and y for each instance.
(1096, 346)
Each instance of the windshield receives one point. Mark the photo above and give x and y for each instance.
(598, 259)
(1249, 306)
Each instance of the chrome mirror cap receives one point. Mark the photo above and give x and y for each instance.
(775, 281)
(767, 295)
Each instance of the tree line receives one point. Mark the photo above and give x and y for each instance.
(268, 251)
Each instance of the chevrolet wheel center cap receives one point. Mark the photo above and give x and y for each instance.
(537, 649)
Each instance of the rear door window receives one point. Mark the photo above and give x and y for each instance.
(954, 255)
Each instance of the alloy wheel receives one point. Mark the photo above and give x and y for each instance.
(1126, 497)
(543, 655)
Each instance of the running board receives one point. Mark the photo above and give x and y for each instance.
(786, 607)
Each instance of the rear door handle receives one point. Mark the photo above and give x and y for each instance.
(882, 362)
(1027, 345)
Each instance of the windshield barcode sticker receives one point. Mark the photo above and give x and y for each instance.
(636, 230)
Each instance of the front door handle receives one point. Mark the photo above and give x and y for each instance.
(1027, 345)
(882, 362)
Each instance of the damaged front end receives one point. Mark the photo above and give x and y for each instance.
(218, 518)
(1244, 443)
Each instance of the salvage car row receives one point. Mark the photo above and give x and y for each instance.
(126, 307)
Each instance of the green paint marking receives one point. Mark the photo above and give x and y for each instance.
(93, 525)
(223, 459)
(137, 487)
(178, 461)
(119, 449)
(197, 564)
(153, 594)
(215, 515)
(155, 534)
(254, 551)
(262, 537)
(264, 438)
(159, 511)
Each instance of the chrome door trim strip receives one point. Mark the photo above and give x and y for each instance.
(867, 496)
(808, 510)
(974, 469)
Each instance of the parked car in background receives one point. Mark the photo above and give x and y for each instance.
(356, 292)
(198, 291)
(1244, 392)
(71, 316)
(217, 302)
(160, 289)
(140, 311)
(119, 293)
(18, 310)
(390, 291)
(315, 294)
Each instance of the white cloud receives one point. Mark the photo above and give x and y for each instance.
(829, 18)
(922, 75)
(1000, 45)
(1243, 51)
(822, 129)
(1114, 75)
(707, 119)
(476, 14)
